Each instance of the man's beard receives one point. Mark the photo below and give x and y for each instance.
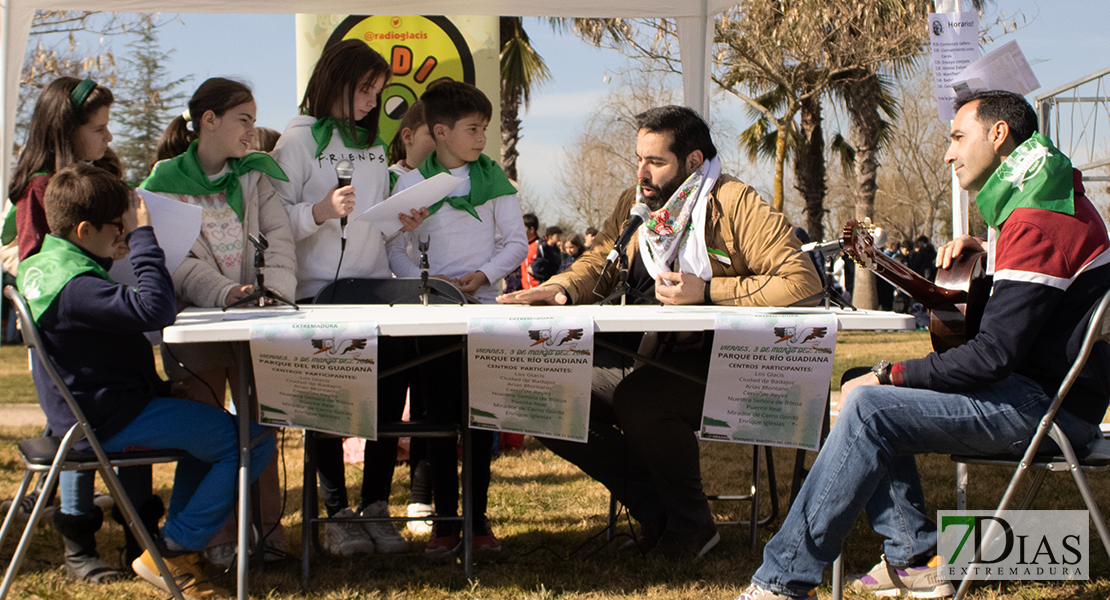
(664, 192)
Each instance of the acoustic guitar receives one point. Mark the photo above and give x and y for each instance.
(956, 299)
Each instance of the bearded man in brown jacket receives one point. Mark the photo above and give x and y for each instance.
(710, 240)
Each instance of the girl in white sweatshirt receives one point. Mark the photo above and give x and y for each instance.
(339, 121)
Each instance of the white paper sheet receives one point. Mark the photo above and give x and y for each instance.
(320, 376)
(176, 225)
(1005, 68)
(384, 214)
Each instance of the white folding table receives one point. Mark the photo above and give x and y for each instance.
(212, 325)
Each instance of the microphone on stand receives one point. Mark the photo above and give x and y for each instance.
(344, 171)
(636, 217)
(825, 248)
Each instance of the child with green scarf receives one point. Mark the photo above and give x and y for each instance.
(204, 160)
(476, 237)
(70, 126)
(339, 122)
(94, 328)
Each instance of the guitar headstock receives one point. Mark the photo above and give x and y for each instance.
(858, 243)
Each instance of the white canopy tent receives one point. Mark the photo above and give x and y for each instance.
(694, 17)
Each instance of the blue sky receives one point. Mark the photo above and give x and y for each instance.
(1062, 45)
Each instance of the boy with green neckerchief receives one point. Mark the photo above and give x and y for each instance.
(476, 236)
(93, 328)
(476, 233)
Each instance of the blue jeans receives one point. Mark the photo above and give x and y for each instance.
(76, 488)
(205, 480)
(868, 463)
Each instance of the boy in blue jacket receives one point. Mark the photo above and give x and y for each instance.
(93, 328)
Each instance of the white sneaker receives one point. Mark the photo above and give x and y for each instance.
(223, 555)
(386, 537)
(417, 509)
(346, 539)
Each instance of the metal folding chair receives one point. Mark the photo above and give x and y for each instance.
(50, 455)
(1093, 457)
(389, 291)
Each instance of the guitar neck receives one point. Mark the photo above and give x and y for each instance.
(929, 294)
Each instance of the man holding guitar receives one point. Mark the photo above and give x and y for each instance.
(1050, 257)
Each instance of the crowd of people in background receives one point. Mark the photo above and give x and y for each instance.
(548, 255)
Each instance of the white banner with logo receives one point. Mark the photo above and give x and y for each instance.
(1044, 545)
(320, 376)
(954, 39)
(531, 375)
(769, 379)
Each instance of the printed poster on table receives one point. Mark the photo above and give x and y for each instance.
(319, 376)
(769, 379)
(531, 375)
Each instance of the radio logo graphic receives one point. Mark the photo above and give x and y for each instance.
(421, 50)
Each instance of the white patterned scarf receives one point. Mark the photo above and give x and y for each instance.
(676, 232)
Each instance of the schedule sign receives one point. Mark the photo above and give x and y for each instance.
(954, 39)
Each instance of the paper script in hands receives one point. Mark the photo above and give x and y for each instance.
(384, 214)
(176, 225)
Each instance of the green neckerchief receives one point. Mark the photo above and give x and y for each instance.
(322, 128)
(393, 177)
(1035, 175)
(42, 276)
(487, 181)
(8, 231)
(183, 174)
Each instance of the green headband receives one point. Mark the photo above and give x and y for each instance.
(81, 93)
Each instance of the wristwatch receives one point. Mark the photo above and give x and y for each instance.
(882, 371)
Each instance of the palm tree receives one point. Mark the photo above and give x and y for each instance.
(809, 165)
(805, 144)
(522, 69)
(862, 92)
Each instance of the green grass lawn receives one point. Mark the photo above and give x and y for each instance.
(550, 518)
(17, 387)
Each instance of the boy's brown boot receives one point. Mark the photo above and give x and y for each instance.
(187, 569)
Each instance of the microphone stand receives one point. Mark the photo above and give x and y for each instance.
(831, 295)
(260, 289)
(425, 291)
(621, 289)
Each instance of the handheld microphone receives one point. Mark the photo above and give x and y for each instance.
(637, 216)
(825, 248)
(344, 171)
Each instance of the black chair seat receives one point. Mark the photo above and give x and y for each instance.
(41, 451)
(397, 290)
(1094, 455)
